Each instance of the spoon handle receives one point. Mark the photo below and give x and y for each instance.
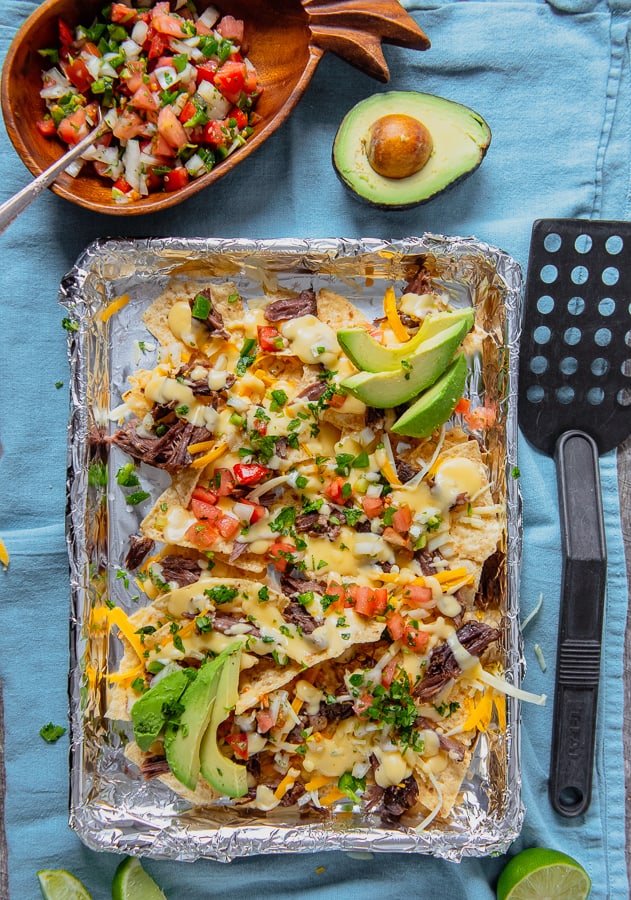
(12, 208)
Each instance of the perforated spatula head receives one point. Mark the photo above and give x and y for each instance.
(575, 350)
(575, 402)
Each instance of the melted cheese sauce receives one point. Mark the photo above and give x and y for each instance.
(311, 340)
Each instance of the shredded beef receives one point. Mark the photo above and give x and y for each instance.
(293, 584)
(253, 765)
(373, 797)
(421, 283)
(313, 391)
(281, 447)
(398, 798)
(304, 304)
(138, 549)
(293, 794)
(222, 622)
(315, 524)
(375, 418)
(214, 320)
(238, 549)
(296, 614)
(442, 667)
(170, 451)
(404, 470)
(179, 569)
(153, 766)
(426, 562)
(336, 712)
(200, 386)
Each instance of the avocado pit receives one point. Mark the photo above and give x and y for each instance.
(398, 146)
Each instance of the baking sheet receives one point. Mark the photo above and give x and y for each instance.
(111, 806)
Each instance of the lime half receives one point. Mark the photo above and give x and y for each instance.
(57, 884)
(131, 882)
(539, 874)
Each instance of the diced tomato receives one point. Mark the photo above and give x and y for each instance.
(239, 744)
(77, 73)
(336, 401)
(231, 29)
(228, 526)
(214, 133)
(402, 519)
(417, 594)
(46, 127)
(154, 44)
(122, 185)
(239, 116)
(206, 495)
(362, 703)
(74, 127)
(387, 676)
(415, 638)
(396, 625)
(393, 537)
(480, 418)
(128, 125)
(373, 506)
(133, 74)
(250, 473)
(143, 98)
(269, 338)
(169, 25)
(278, 553)
(369, 601)
(159, 147)
(91, 49)
(258, 511)
(188, 112)
(66, 36)
(462, 406)
(176, 179)
(340, 592)
(203, 504)
(230, 80)
(336, 489)
(264, 721)
(222, 482)
(122, 14)
(155, 180)
(401, 628)
(206, 71)
(201, 535)
(260, 425)
(171, 129)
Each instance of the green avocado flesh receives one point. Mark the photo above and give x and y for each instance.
(460, 138)
(386, 390)
(148, 713)
(222, 773)
(370, 356)
(436, 404)
(182, 741)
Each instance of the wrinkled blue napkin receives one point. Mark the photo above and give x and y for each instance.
(553, 82)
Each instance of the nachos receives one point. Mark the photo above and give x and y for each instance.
(337, 565)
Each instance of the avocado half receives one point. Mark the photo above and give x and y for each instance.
(460, 138)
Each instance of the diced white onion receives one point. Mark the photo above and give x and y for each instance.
(131, 49)
(209, 17)
(139, 32)
(216, 105)
(133, 166)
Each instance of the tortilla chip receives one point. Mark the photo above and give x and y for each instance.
(450, 780)
(338, 312)
(203, 795)
(156, 317)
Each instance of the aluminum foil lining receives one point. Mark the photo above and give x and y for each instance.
(112, 807)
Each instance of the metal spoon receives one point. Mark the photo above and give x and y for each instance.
(12, 208)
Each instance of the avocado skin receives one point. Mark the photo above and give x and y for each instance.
(147, 713)
(369, 355)
(435, 405)
(223, 773)
(354, 171)
(385, 390)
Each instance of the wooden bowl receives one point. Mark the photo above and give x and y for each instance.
(285, 38)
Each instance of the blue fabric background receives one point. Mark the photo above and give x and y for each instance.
(553, 82)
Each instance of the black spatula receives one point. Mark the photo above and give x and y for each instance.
(575, 403)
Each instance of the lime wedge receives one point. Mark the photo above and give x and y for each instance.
(540, 874)
(131, 882)
(57, 884)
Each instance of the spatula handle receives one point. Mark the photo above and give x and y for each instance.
(580, 623)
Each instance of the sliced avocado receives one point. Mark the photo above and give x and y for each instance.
(222, 773)
(149, 713)
(182, 740)
(459, 136)
(386, 390)
(370, 356)
(435, 405)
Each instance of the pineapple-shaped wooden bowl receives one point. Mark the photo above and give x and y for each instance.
(285, 39)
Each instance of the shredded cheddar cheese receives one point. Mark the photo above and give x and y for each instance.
(4, 554)
(114, 307)
(202, 461)
(390, 308)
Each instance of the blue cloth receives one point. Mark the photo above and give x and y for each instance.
(553, 82)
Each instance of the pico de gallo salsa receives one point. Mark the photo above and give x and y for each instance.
(175, 87)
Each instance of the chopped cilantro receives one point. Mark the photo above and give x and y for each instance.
(51, 733)
(137, 497)
(221, 594)
(126, 476)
